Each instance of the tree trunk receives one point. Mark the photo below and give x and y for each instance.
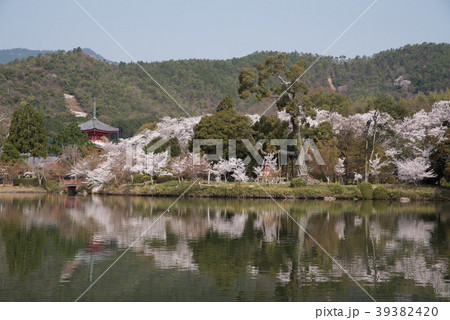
(366, 162)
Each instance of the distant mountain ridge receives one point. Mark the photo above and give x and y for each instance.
(8, 55)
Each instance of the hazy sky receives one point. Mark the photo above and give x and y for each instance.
(175, 29)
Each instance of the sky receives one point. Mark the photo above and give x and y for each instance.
(209, 29)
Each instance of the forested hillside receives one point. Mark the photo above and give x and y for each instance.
(127, 97)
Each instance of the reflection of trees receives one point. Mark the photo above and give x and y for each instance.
(24, 248)
(225, 258)
(33, 228)
(270, 249)
(403, 250)
(244, 248)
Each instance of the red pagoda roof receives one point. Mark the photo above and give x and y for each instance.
(97, 125)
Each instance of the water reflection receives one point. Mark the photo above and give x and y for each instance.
(222, 249)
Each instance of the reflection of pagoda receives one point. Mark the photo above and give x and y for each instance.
(96, 129)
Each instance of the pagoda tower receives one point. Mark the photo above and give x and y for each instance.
(96, 129)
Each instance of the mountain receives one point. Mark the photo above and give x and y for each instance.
(8, 55)
(128, 97)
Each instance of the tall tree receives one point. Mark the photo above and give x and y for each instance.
(27, 131)
(278, 81)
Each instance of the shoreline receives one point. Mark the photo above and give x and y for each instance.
(254, 191)
(20, 189)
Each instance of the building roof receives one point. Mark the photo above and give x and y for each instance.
(98, 125)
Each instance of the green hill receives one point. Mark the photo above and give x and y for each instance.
(127, 97)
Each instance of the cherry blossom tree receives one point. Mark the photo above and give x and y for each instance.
(422, 123)
(357, 177)
(82, 167)
(128, 157)
(269, 165)
(270, 161)
(110, 165)
(95, 173)
(233, 166)
(254, 118)
(339, 169)
(414, 170)
(179, 165)
(284, 116)
(220, 169)
(258, 170)
(376, 165)
(98, 171)
(185, 165)
(180, 128)
(239, 169)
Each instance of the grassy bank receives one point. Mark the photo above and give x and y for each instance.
(280, 191)
(21, 189)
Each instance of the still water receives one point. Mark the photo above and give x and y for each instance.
(53, 247)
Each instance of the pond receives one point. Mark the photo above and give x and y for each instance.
(53, 247)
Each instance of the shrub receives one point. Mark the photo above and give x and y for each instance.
(51, 185)
(170, 183)
(336, 188)
(162, 179)
(141, 178)
(26, 182)
(366, 190)
(84, 187)
(298, 182)
(356, 193)
(390, 179)
(380, 193)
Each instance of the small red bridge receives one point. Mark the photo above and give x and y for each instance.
(71, 182)
(71, 185)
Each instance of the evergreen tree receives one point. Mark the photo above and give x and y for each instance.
(69, 136)
(225, 104)
(27, 132)
(270, 128)
(225, 125)
(389, 105)
(331, 101)
(10, 153)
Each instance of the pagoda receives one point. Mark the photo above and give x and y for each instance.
(96, 129)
